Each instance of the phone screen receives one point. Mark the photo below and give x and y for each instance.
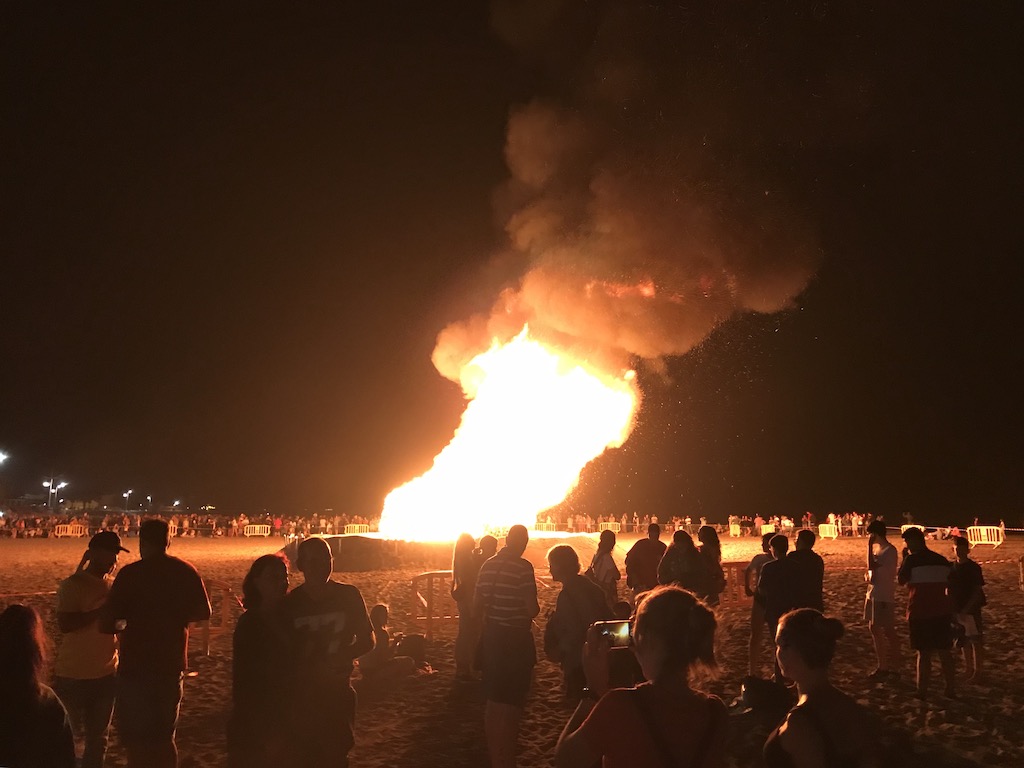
(619, 632)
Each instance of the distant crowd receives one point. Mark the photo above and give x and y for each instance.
(36, 523)
(632, 655)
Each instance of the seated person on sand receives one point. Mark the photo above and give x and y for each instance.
(817, 731)
(381, 662)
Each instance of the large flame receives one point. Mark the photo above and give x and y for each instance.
(535, 417)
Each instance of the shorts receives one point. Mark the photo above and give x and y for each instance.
(877, 612)
(935, 634)
(147, 708)
(507, 659)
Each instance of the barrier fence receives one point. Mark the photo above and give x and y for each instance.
(614, 527)
(986, 534)
(356, 528)
(256, 530)
(432, 600)
(72, 530)
(735, 593)
(828, 531)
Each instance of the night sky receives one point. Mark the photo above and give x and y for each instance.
(231, 235)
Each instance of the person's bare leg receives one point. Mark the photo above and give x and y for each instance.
(968, 651)
(977, 649)
(878, 638)
(948, 671)
(924, 671)
(501, 726)
(892, 642)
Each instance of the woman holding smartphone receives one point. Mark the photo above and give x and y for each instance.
(669, 723)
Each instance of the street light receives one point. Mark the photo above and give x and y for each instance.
(52, 490)
(176, 503)
(3, 457)
(126, 494)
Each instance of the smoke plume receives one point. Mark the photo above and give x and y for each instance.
(641, 195)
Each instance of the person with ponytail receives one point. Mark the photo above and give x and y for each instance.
(817, 731)
(35, 731)
(662, 722)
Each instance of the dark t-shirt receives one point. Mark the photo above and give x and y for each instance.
(580, 603)
(325, 635)
(806, 579)
(642, 563)
(964, 578)
(926, 574)
(156, 597)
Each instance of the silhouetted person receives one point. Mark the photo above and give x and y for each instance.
(663, 722)
(259, 685)
(775, 587)
(466, 562)
(506, 599)
(151, 603)
(966, 590)
(87, 658)
(682, 565)
(642, 561)
(757, 620)
(328, 629)
(929, 609)
(603, 570)
(711, 553)
(827, 728)
(880, 603)
(35, 731)
(808, 573)
(580, 603)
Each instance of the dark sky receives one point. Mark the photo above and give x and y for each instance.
(230, 237)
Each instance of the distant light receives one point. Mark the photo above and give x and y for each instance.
(3, 457)
(46, 484)
(175, 503)
(61, 485)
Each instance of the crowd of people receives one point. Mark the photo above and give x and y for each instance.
(632, 659)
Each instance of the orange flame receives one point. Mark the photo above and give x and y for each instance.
(535, 417)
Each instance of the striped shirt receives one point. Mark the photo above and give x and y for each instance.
(926, 574)
(506, 589)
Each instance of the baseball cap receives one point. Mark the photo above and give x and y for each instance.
(106, 540)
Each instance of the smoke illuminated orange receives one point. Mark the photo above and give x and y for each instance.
(535, 418)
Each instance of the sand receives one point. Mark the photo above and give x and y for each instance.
(429, 720)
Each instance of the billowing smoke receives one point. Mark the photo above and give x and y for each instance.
(643, 217)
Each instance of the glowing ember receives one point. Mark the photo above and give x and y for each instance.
(534, 420)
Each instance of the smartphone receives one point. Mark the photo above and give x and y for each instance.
(619, 632)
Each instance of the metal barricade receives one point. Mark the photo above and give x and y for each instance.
(74, 530)
(614, 527)
(828, 531)
(256, 530)
(986, 534)
(356, 528)
(735, 593)
(432, 600)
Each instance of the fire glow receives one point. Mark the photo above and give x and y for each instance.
(534, 419)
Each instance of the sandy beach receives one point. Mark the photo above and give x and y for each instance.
(429, 720)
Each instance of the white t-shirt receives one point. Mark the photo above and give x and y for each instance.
(882, 586)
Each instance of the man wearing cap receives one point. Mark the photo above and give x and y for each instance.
(151, 603)
(929, 609)
(879, 606)
(87, 658)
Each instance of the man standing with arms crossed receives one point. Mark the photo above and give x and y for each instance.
(879, 606)
(151, 604)
(506, 599)
(87, 658)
